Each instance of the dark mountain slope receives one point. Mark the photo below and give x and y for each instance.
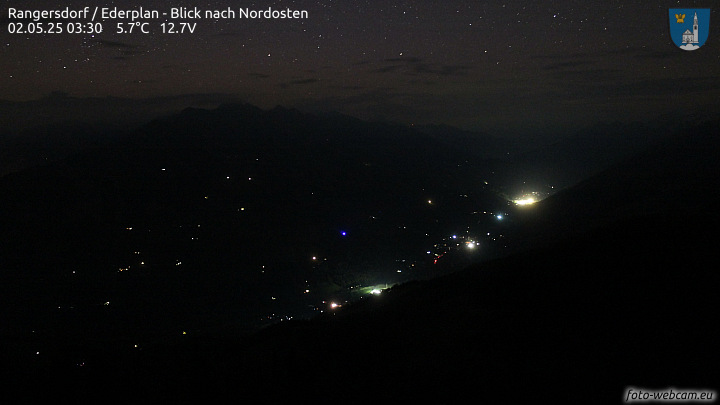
(584, 319)
(624, 295)
(587, 318)
(678, 177)
(574, 158)
(629, 299)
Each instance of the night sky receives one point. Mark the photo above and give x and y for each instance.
(494, 66)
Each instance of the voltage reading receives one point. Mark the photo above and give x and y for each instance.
(179, 28)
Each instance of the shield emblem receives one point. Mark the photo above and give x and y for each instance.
(689, 27)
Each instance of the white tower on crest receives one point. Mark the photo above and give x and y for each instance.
(695, 30)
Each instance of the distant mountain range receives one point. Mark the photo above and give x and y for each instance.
(38, 132)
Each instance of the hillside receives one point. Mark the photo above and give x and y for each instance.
(622, 293)
(227, 216)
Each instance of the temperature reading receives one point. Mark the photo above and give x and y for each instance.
(129, 28)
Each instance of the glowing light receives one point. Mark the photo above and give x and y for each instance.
(343, 233)
(314, 258)
(429, 201)
(471, 245)
(525, 201)
(335, 305)
(375, 292)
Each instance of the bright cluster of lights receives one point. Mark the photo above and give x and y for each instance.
(525, 201)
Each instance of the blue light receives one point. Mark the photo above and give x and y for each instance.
(343, 233)
(500, 217)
